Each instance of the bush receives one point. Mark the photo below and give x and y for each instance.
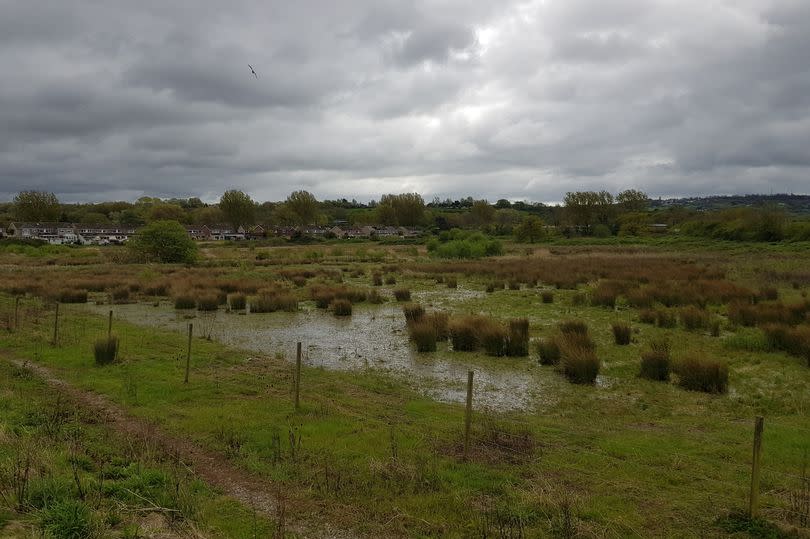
(547, 296)
(164, 241)
(402, 294)
(237, 302)
(517, 344)
(549, 351)
(655, 365)
(184, 302)
(342, 307)
(413, 312)
(423, 333)
(105, 350)
(207, 302)
(580, 364)
(703, 374)
(621, 333)
(694, 318)
(69, 295)
(67, 519)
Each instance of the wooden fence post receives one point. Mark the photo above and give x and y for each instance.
(753, 508)
(298, 376)
(188, 355)
(109, 326)
(468, 414)
(56, 324)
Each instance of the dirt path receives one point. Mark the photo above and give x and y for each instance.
(210, 466)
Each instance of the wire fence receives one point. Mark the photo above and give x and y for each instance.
(591, 452)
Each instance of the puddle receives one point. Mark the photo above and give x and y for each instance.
(373, 337)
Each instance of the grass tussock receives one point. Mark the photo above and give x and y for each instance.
(622, 333)
(184, 301)
(697, 373)
(548, 351)
(655, 362)
(70, 295)
(207, 302)
(402, 294)
(694, 318)
(341, 307)
(270, 301)
(105, 350)
(237, 302)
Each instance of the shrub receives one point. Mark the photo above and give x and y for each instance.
(69, 295)
(184, 302)
(164, 241)
(547, 296)
(693, 318)
(423, 334)
(703, 374)
(105, 350)
(237, 302)
(342, 307)
(67, 519)
(413, 312)
(402, 294)
(549, 351)
(580, 364)
(270, 301)
(518, 339)
(621, 333)
(654, 366)
(207, 302)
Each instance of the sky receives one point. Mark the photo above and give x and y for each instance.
(115, 99)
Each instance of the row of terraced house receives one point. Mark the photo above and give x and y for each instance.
(99, 234)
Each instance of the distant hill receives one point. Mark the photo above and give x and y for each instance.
(799, 204)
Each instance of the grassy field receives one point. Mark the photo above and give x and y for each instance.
(378, 451)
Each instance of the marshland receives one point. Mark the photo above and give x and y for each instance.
(615, 387)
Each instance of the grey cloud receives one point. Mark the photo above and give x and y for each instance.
(500, 100)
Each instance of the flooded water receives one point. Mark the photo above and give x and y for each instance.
(374, 337)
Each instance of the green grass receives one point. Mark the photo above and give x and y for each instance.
(633, 457)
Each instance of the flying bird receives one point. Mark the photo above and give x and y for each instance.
(253, 71)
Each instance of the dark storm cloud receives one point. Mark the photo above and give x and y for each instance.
(495, 99)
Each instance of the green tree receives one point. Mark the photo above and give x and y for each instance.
(238, 208)
(302, 207)
(406, 209)
(633, 200)
(164, 241)
(532, 229)
(36, 206)
(482, 213)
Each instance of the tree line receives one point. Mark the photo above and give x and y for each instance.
(582, 213)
